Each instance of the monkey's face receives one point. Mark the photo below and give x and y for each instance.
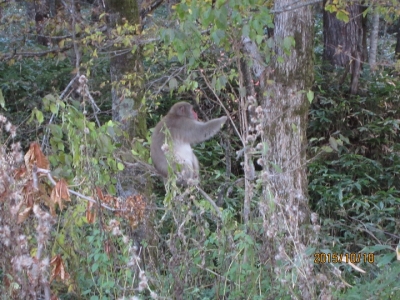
(191, 113)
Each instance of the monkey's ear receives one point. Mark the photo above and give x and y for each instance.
(182, 110)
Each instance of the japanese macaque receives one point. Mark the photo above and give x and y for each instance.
(180, 129)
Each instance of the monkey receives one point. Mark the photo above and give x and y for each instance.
(183, 127)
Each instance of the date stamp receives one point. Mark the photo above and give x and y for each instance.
(352, 257)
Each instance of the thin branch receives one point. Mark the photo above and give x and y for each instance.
(208, 198)
(300, 3)
(53, 182)
(45, 136)
(145, 11)
(85, 93)
(222, 105)
(34, 54)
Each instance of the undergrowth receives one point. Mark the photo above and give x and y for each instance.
(355, 186)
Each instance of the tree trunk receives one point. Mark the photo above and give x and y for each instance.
(285, 206)
(126, 70)
(343, 42)
(127, 75)
(373, 41)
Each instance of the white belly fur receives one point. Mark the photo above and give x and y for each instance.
(184, 156)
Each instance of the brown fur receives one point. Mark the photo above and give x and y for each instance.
(185, 130)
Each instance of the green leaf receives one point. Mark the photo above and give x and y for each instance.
(56, 131)
(77, 28)
(196, 53)
(259, 39)
(344, 139)
(39, 116)
(342, 16)
(215, 36)
(376, 248)
(385, 259)
(270, 43)
(310, 96)
(208, 17)
(50, 98)
(120, 166)
(60, 146)
(173, 84)
(288, 43)
(326, 149)
(333, 143)
(219, 3)
(60, 239)
(95, 266)
(2, 102)
(331, 8)
(54, 108)
(246, 30)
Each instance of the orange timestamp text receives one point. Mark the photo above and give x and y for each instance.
(354, 258)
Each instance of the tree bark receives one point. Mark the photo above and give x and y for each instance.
(127, 75)
(126, 70)
(373, 41)
(285, 208)
(343, 42)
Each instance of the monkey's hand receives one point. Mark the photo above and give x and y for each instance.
(223, 119)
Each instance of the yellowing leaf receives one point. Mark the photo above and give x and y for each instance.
(77, 28)
(342, 16)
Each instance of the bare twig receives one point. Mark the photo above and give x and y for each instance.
(34, 54)
(208, 198)
(300, 3)
(53, 182)
(222, 105)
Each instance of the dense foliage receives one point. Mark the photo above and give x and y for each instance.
(356, 187)
(81, 250)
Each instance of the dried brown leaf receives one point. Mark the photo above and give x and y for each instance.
(29, 192)
(35, 155)
(60, 192)
(58, 271)
(23, 215)
(90, 212)
(44, 194)
(99, 193)
(20, 173)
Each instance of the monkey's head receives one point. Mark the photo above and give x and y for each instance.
(184, 109)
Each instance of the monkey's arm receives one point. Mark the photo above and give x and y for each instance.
(196, 132)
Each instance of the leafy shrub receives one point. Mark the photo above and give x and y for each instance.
(355, 188)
